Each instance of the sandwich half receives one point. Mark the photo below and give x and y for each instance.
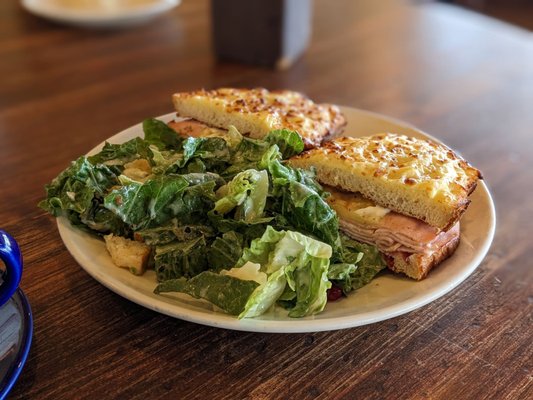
(256, 112)
(404, 195)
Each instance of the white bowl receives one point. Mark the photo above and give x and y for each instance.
(99, 13)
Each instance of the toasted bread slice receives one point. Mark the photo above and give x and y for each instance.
(411, 176)
(255, 112)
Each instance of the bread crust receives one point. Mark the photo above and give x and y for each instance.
(255, 112)
(414, 177)
(417, 266)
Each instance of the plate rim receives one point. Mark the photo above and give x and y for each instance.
(307, 324)
(96, 18)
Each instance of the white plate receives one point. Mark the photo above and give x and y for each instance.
(385, 297)
(99, 13)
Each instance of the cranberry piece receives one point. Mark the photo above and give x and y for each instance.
(334, 293)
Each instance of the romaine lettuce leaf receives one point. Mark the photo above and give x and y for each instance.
(181, 259)
(301, 202)
(211, 153)
(225, 251)
(173, 231)
(120, 154)
(160, 134)
(368, 265)
(246, 193)
(226, 292)
(233, 138)
(158, 200)
(304, 262)
(100, 219)
(75, 187)
(249, 231)
(265, 296)
(246, 155)
(310, 282)
(143, 205)
(289, 142)
(341, 274)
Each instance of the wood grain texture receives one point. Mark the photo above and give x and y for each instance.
(464, 78)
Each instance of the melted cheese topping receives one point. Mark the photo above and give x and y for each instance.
(269, 110)
(398, 159)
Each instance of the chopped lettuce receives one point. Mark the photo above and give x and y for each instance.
(246, 193)
(181, 259)
(289, 142)
(360, 264)
(304, 262)
(225, 251)
(368, 265)
(75, 187)
(160, 134)
(294, 265)
(226, 292)
(143, 205)
(207, 154)
(157, 201)
(227, 219)
(174, 231)
(265, 296)
(300, 201)
(120, 154)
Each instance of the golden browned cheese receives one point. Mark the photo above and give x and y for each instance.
(255, 112)
(411, 176)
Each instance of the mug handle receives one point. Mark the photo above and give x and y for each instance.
(12, 258)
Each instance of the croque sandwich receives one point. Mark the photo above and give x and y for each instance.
(404, 195)
(255, 112)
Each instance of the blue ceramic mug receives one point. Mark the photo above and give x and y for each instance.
(10, 255)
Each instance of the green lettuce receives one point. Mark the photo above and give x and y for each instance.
(181, 259)
(300, 201)
(225, 251)
(289, 142)
(265, 296)
(226, 292)
(120, 154)
(158, 200)
(368, 265)
(142, 205)
(360, 264)
(304, 262)
(75, 187)
(246, 193)
(173, 231)
(159, 134)
(204, 154)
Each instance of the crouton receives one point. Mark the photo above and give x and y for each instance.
(127, 253)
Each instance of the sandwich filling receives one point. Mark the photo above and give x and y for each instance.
(391, 232)
(194, 128)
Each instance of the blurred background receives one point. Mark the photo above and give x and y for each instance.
(518, 12)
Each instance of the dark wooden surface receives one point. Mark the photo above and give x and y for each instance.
(464, 78)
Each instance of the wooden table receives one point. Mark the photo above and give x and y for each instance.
(464, 78)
